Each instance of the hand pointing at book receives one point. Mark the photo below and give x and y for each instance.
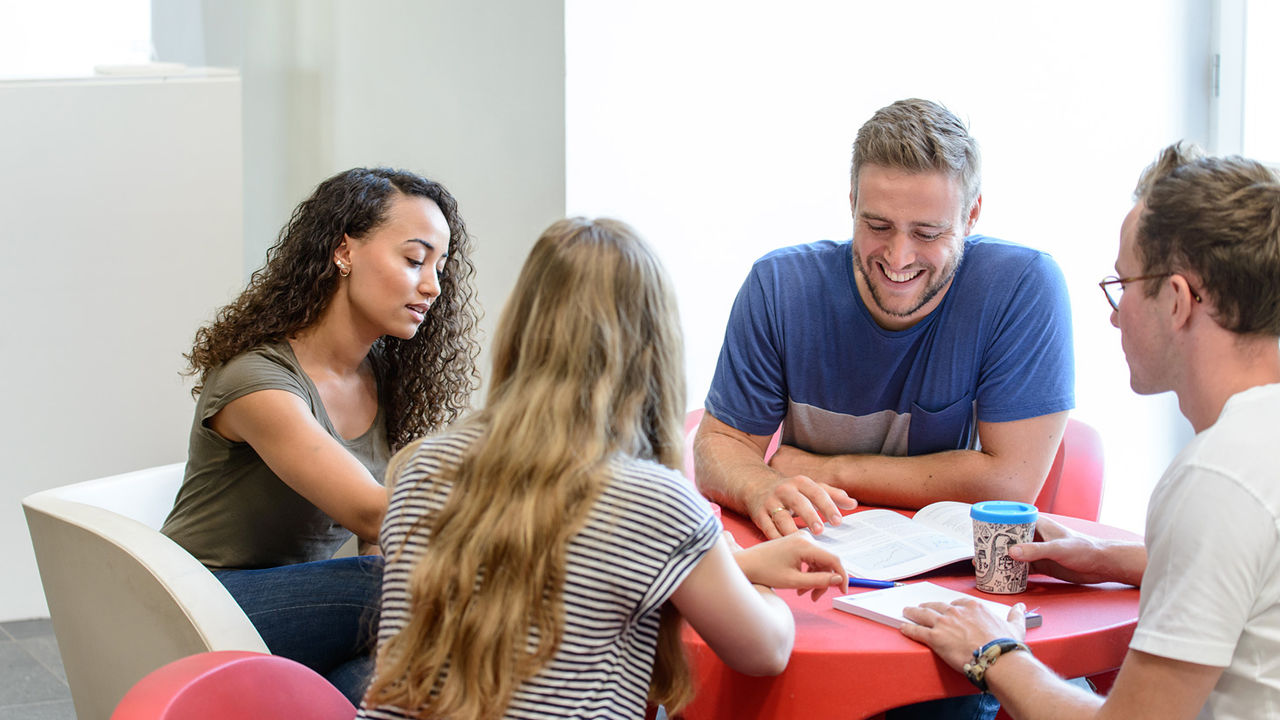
(791, 562)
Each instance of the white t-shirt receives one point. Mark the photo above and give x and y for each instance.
(1211, 592)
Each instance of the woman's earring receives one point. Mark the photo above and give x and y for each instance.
(343, 268)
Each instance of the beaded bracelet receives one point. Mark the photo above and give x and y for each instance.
(986, 655)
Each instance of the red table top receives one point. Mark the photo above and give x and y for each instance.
(847, 666)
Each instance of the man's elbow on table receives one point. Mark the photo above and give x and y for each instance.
(1019, 455)
(1014, 477)
(1021, 486)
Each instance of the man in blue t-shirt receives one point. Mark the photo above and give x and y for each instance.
(912, 364)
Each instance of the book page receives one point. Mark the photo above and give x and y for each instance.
(885, 545)
(949, 517)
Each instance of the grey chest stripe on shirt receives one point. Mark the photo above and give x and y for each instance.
(831, 433)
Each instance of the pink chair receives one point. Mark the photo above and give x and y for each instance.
(233, 685)
(1074, 483)
(1072, 487)
(691, 422)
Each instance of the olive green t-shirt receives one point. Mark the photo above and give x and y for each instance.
(232, 511)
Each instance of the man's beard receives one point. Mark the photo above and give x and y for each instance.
(930, 292)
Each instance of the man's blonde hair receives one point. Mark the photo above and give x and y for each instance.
(919, 136)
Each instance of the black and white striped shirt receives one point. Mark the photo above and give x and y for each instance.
(645, 533)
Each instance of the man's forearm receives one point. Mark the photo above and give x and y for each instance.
(1148, 687)
(916, 481)
(1028, 689)
(727, 469)
(1012, 465)
(1126, 562)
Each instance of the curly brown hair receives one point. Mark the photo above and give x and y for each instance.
(423, 383)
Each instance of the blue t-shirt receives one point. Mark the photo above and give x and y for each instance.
(802, 347)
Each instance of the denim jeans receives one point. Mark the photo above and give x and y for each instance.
(323, 614)
(968, 707)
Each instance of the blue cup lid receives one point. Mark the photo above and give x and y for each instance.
(1004, 511)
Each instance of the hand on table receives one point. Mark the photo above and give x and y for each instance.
(775, 504)
(954, 631)
(791, 562)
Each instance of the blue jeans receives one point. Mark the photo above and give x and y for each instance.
(968, 707)
(323, 614)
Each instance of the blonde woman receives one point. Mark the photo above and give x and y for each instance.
(538, 552)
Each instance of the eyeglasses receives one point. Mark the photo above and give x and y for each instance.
(1113, 287)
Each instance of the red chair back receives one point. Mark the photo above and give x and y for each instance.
(691, 422)
(1074, 484)
(233, 685)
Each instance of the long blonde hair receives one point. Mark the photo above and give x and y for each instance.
(587, 365)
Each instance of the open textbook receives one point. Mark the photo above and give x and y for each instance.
(884, 545)
(886, 606)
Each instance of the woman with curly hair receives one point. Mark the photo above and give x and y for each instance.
(354, 338)
(533, 548)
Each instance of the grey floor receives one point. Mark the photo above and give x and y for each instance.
(33, 685)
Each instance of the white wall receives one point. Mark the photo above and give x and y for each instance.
(469, 94)
(121, 207)
(723, 130)
(37, 40)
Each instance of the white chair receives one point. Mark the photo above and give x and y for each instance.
(123, 598)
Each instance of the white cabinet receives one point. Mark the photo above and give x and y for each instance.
(120, 232)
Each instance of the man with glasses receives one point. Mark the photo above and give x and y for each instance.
(912, 364)
(1196, 297)
(1113, 287)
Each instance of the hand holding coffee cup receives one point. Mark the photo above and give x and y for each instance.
(998, 525)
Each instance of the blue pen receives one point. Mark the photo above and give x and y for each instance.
(864, 582)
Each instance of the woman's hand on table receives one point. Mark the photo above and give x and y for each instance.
(955, 630)
(791, 562)
(1068, 555)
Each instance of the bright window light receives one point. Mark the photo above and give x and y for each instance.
(67, 38)
(1262, 81)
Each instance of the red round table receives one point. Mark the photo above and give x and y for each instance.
(846, 666)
